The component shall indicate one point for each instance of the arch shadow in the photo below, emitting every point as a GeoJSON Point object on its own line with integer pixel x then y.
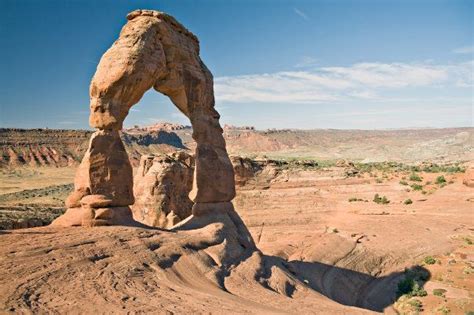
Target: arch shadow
{"type": "Point", "coordinates": [354, 288]}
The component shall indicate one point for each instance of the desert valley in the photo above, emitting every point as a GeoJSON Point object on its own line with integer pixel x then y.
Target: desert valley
{"type": "Point", "coordinates": [308, 205]}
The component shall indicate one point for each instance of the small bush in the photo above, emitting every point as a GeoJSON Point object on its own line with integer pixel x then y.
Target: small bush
{"type": "Point", "coordinates": [455, 169]}
{"type": "Point", "coordinates": [405, 286]}
{"type": "Point", "coordinates": [410, 284]}
{"type": "Point", "coordinates": [379, 181]}
{"type": "Point", "coordinates": [404, 183]}
{"type": "Point", "coordinates": [416, 187]}
{"type": "Point", "coordinates": [381, 200]}
{"type": "Point", "coordinates": [415, 177]}
{"type": "Point", "coordinates": [440, 180]}
{"type": "Point", "coordinates": [429, 260]}
{"type": "Point", "coordinates": [416, 305]}
{"type": "Point", "coordinates": [408, 202]}
{"type": "Point", "coordinates": [439, 292]}
{"type": "Point", "coordinates": [335, 230]}
{"type": "Point", "coordinates": [353, 199]}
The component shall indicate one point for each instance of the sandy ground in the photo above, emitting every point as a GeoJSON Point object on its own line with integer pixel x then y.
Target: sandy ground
{"type": "Point", "coordinates": [351, 250]}
{"type": "Point", "coordinates": [321, 254]}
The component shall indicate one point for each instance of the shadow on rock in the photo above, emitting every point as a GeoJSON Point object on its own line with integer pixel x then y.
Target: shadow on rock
{"type": "Point", "coordinates": [353, 288]}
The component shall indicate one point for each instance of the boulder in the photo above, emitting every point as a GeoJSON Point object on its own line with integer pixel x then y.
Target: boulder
{"type": "Point", "coordinates": [162, 184]}
{"type": "Point", "coordinates": [96, 201]}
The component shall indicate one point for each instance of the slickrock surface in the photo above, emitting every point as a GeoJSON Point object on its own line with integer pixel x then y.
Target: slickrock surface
{"type": "Point", "coordinates": [120, 270]}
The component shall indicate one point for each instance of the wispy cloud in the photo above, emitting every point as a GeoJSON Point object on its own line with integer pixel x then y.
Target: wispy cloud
{"type": "Point", "coordinates": [464, 50]}
{"type": "Point", "coordinates": [301, 14]}
{"type": "Point", "coordinates": [335, 84]}
{"type": "Point", "coordinates": [306, 62]}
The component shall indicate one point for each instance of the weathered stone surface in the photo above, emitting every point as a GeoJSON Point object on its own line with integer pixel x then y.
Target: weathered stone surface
{"type": "Point", "coordinates": [153, 50]}
{"type": "Point", "coordinates": [74, 199]}
{"type": "Point", "coordinates": [72, 217]}
{"type": "Point", "coordinates": [161, 185]}
{"type": "Point", "coordinates": [107, 216]}
{"type": "Point", "coordinates": [106, 170]}
{"type": "Point", "coordinates": [88, 216]}
{"type": "Point", "coordinates": [96, 201]}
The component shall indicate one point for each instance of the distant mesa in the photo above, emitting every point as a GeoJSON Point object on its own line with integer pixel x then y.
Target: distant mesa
{"type": "Point", "coordinates": [232, 127]}
{"type": "Point", "coordinates": [162, 126]}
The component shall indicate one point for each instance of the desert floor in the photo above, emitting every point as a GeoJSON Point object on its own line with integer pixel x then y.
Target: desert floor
{"type": "Point", "coordinates": [320, 224]}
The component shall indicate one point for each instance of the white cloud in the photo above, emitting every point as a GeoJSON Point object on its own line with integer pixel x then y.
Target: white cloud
{"type": "Point", "coordinates": [464, 50]}
{"type": "Point", "coordinates": [335, 84]}
{"type": "Point", "coordinates": [306, 62]}
{"type": "Point", "coordinates": [301, 14]}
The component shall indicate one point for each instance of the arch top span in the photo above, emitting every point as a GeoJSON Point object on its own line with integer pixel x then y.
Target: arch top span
{"type": "Point", "coordinates": [153, 51]}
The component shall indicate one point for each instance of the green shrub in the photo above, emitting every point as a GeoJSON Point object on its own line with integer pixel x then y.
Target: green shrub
{"type": "Point", "coordinates": [416, 187]}
{"type": "Point", "coordinates": [455, 169]}
{"type": "Point", "coordinates": [415, 177]}
{"type": "Point", "coordinates": [440, 180]}
{"type": "Point", "coordinates": [405, 286]}
{"type": "Point", "coordinates": [408, 202]}
{"type": "Point", "coordinates": [416, 305]}
{"type": "Point", "coordinates": [444, 310]}
{"type": "Point", "coordinates": [404, 183]}
{"type": "Point", "coordinates": [410, 284]}
{"type": "Point", "coordinates": [429, 260]}
{"type": "Point", "coordinates": [439, 292]}
{"type": "Point", "coordinates": [381, 200]}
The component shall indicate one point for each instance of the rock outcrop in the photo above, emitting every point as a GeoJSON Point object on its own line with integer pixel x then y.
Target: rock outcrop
{"type": "Point", "coordinates": [41, 147]}
{"type": "Point", "coordinates": [468, 179]}
{"type": "Point", "coordinates": [245, 169]}
{"type": "Point", "coordinates": [153, 50]}
{"type": "Point", "coordinates": [161, 186]}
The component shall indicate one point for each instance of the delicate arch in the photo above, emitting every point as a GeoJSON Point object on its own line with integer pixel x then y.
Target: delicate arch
{"type": "Point", "coordinates": [153, 50]}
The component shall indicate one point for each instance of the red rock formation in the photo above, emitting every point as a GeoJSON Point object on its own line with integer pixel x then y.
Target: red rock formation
{"type": "Point", "coordinates": [153, 50]}
{"type": "Point", "coordinates": [161, 186]}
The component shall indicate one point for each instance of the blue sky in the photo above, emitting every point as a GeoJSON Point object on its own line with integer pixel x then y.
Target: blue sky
{"type": "Point", "coordinates": [276, 64]}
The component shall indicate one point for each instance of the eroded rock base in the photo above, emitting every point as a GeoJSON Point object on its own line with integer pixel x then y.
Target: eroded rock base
{"type": "Point", "coordinates": [87, 216]}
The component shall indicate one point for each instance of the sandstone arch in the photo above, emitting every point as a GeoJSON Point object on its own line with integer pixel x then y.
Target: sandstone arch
{"type": "Point", "coordinates": [152, 51]}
